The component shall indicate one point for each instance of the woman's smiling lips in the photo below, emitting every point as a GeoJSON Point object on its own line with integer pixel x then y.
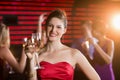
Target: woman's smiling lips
{"type": "Point", "coordinates": [52, 35]}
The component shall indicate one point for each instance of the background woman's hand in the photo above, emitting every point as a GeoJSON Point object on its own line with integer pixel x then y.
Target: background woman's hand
{"type": "Point", "coordinates": [92, 40]}
{"type": "Point", "coordinates": [42, 18]}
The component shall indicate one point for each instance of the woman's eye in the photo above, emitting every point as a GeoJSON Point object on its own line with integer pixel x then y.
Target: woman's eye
{"type": "Point", "coordinates": [49, 25]}
{"type": "Point", "coordinates": [59, 27]}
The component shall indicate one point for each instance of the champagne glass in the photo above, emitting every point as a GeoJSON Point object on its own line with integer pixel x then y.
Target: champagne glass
{"type": "Point", "coordinates": [25, 41]}
{"type": "Point", "coordinates": [87, 44]}
{"type": "Point", "coordinates": [35, 41]}
{"type": "Point", "coordinates": [11, 71]}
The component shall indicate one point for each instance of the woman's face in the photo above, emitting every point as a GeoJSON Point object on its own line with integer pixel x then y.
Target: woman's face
{"type": "Point", "coordinates": [87, 30]}
{"type": "Point", "coordinates": [55, 29]}
{"type": "Point", "coordinates": [98, 32]}
{"type": "Point", "coordinates": [100, 29]}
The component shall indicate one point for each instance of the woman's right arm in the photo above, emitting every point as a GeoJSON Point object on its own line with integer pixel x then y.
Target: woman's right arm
{"type": "Point", "coordinates": [32, 72]}
{"type": "Point", "coordinates": [108, 55]}
{"type": "Point", "coordinates": [9, 57]}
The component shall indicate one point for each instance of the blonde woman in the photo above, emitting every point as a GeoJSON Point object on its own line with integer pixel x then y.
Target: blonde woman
{"type": "Point", "coordinates": [5, 53]}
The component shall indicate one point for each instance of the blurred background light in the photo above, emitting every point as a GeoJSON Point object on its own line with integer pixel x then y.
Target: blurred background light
{"type": "Point", "coordinates": [116, 21]}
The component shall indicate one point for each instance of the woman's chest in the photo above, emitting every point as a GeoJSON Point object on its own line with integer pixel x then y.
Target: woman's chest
{"type": "Point", "coordinates": [58, 57]}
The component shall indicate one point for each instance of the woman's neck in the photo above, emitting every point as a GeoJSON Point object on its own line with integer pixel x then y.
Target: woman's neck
{"type": "Point", "coordinates": [102, 40]}
{"type": "Point", "coordinates": [54, 46]}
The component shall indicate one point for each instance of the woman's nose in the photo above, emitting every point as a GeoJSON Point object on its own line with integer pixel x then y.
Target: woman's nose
{"type": "Point", "coordinates": [53, 29]}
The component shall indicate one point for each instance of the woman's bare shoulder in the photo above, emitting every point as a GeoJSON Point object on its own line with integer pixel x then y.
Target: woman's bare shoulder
{"type": "Point", "coordinates": [74, 51]}
{"type": "Point", "coordinates": [77, 56]}
{"type": "Point", "coordinates": [109, 40]}
{"type": "Point", "coordinates": [4, 51]}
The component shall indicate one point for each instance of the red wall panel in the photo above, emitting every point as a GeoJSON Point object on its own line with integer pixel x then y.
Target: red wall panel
{"type": "Point", "coordinates": [28, 13]}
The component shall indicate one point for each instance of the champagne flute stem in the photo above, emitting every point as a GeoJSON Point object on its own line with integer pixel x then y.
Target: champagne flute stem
{"type": "Point", "coordinates": [37, 62]}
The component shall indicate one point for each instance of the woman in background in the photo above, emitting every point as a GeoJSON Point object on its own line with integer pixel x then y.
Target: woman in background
{"type": "Point", "coordinates": [83, 45]}
{"type": "Point", "coordinates": [57, 60]}
{"type": "Point", "coordinates": [104, 51]}
{"type": "Point", "coordinates": [5, 54]}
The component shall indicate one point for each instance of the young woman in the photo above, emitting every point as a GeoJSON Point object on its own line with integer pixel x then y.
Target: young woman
{"type": "Point", "coordinates": [57, 60]}
{"type": "Point", "coordinates": [104, 51]}
{"type": "Point", "coordinates": [5, 53]}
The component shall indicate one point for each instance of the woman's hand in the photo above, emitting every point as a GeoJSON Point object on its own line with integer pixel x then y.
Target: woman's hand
{"type": "Point", "coordinates": [92, 40]}
{"type": "Point", "coordinates": [30, 49]}
{"type": "Point", "coordinates": [42, 18]}
{"type": "Point", "coordinates": [40, 21]}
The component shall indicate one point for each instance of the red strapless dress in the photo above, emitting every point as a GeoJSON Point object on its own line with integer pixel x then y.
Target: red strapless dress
{"type": "Point", "coordinates": [57, 71]}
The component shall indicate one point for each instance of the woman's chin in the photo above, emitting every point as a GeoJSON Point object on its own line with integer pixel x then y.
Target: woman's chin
{"type": "Point", "coordinates": [52, 39]}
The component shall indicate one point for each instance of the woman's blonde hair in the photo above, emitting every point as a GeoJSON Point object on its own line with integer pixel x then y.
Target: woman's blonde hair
{"type": "Point", "coordinates": [4, 35]}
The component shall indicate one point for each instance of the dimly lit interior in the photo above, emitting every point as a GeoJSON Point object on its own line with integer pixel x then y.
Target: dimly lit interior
{"type": "Point", "coordinates": [22, 18]}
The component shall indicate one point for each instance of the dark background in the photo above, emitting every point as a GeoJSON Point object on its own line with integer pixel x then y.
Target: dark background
{"type": "Point", "coordinates": [22, 18]}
